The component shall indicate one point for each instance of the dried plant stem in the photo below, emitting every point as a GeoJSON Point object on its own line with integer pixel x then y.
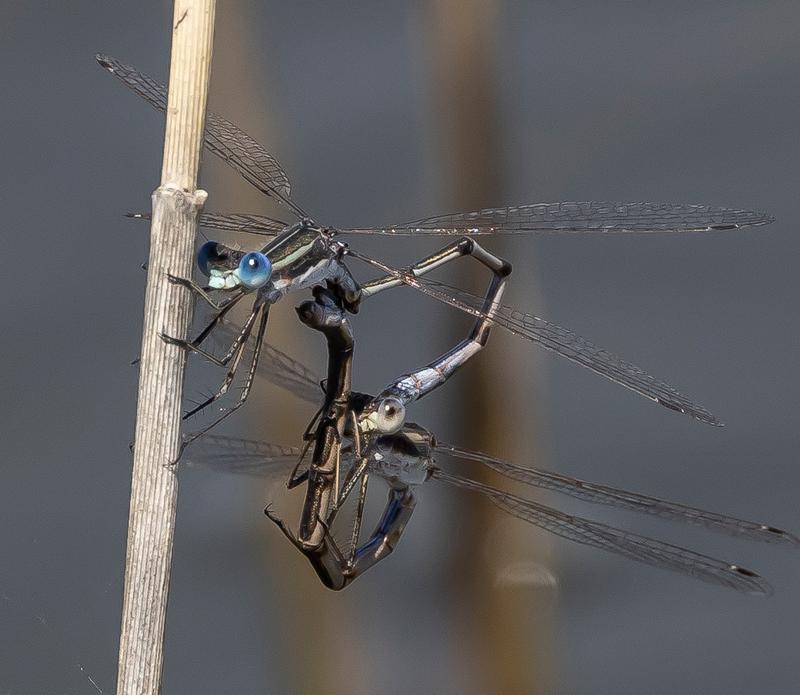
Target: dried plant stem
{"type": "Point", "coordinates": [466, 34]}
{"type": "Point", "coordinates": [167, 309]}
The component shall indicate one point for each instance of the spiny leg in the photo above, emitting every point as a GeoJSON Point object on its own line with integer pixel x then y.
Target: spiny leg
{"type": "Point", "coordinates": [281, 524]}
{"type": "Point", "coordinates": [202, 292]}
{"type": "Point", "coordinates": [396, 515]}
{"type": "Point", "coordinates": [238, 342]}
{"type": "Point", "coordinates": [251, 374]}
{"type": "Point", "coordinates": [334, 568]}
{"type": "Point", "coordinates": [223, 389]}
{"type": "Point", "coordinates": [351, 478]}
{"type": "Point", "coordinates": [308, 438]}
{"type": "Point", "coordinates": [221, 308]}
{"type": "Point", "coordinates": [326, 315]}
{"type": "Point", "coordinates": [216, 319]}
{"type": "Point", "coordinates": [361, 461]}
{"type": "Point", "coordinates": [238, 348]}
{"type": "Point", "coordinates": [234, 351]}
{"type": "Point", "coordinates": [356, 532]}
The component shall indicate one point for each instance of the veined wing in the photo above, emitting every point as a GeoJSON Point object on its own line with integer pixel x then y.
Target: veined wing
{"type": "Point", "coordinates": [250, 457]}
{"type": "Point", "coordinates": [242, 222]}
{"type": "Point", "coordinates": [277, 367]}
{"type": "Point", "coordinates": [289, 374]}
{"type": "Point", "coordinates": [230, 222]}
{"type": "Point", "coordinates": [614, 497]}
{"type": "Point", "coordinates": [630, 545]}
{"type": "Point", "coordinates": [226, 140]}
{"type": "Point", "coordinates": [576, 218]}
{"type": "Point", "coordinates": [560, 340]}
{"type": "Point", "coordinates": [240, 456]}
{"type": "Point", "coordinates": [540, 218]}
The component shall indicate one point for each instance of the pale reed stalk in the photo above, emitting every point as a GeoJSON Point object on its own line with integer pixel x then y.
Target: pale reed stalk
{"type": "Point", "coordinates": [167, 309]}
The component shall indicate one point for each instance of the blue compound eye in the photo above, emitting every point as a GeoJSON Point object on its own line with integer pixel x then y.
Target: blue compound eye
{"type": "Point", "coordinates": [204, 255]}
{"type": "Point", "coordinates": [254, 270]}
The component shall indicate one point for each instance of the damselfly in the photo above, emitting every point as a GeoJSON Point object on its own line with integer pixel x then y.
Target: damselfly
{"type": "Point", "coordinates": [305, 254]}
{"type": "Point", "coordinates": [380, 442]}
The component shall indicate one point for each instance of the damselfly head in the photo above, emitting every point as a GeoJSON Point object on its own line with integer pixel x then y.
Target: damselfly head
{"type": "Point", "coordinates": [227, 268]}
{"type": "Point", "coordinates": [386, 416]}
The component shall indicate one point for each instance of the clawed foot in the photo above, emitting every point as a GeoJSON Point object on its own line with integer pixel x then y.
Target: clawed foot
{"type": "Point", "coordinates": [194, 288]}
{"type": "Point", "coordinates": [275, 519]}
{"type": "Point", "coordinates": [170, 340]}
{"type": "Point", "coordinates": [173, 464]}
{"type": "Point", "coordinates": [183, 282]}
{"type": "Point", "coordinates": [169, 465]}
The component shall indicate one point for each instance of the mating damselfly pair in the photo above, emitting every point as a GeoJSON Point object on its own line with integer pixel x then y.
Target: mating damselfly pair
{"type": "Point", "coordinates": [356, 436]}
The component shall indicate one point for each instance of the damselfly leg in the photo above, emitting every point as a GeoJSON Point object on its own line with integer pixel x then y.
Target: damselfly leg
{"type": "Point", "coordinates": [305, 256]}
{"type": "Point", "coordinates": [203, 292]}
{"type": "Point", "coordinates": [248, 383]}
{"type": "Point", "coordinates": [335, 568]}
{"type": "Point", "coordinates": [325, 314]}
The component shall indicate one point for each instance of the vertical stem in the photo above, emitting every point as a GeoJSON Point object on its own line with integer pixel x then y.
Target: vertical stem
{"type": "Point", "coordinates": [151, 523]}
{"type": "Point", "coordinates": [466, 34]}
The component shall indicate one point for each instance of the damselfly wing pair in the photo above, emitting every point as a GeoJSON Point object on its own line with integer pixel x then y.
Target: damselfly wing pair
{"type": "Point", "coordinates": [305, 254]}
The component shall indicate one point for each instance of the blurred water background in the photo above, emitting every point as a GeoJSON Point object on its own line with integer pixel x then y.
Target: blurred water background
{"type": "Point", "coordinates": [383, 112]}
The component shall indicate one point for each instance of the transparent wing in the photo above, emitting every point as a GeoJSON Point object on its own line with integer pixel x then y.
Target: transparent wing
{"type": "Point", "coordinates": [223, 138]}
{"type": "Point", "coordinates": [291, 375]}
{"type": "Point", "coordinates": [576, 218]}
{"type": "Point", "coordinates": [277, 367]}
{"type": "Point", "coordinates": [230, 222]}
{"type": "Point", "coordinates": [560, 340]}
{"type": "Point", "coordinates": [614, 497]}
{"type": "Point", "coordinates": [250, 457]}
{"type": "Point", "coordinates": [240, 456]}
{"type": "Point", "coordinates": [541, 218]}
{"type": "Point", "coordinates": [630, 545]}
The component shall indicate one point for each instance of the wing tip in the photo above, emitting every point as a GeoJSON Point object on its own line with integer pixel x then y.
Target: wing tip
{"type": "Point", "coordinates": [781, 536]}
{"type": "Point", "coordinates": [694, 411]}
{"type": "Point", "coordinates": [754, 583]}
{"type": "Point", "coordinates": [758, 218]}
{"type": "Point", "coordinates": [767, 219]}
{"type": "Point", "coordinates": [105, 61]}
